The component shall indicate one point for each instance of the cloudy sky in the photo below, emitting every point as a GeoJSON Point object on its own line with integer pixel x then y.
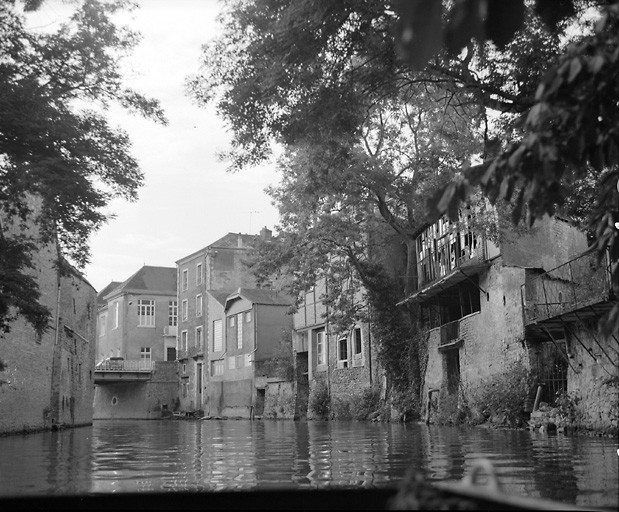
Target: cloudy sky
{"type": "Point", "coordinates": [188, 200]}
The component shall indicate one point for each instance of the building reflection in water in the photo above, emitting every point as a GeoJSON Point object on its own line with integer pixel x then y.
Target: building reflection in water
{"type": "Point", "coordinates": [146, 456]}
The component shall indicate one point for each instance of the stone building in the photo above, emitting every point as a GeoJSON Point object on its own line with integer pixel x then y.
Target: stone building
{"type": "Point", "coordinates": [562, 307]}
{"type": "Point", "coordinates": [471, 292]}
{"type": "Point", "coordinates": [218, 267]}
{"type": "Point", "coordinates": [136, 372]}
{"type": "Point", "coordinates": [250, 331]}
{"type": "Point", "coordinates": [47, 380]}
{"type": "Point", "coordinates": [341, 363]}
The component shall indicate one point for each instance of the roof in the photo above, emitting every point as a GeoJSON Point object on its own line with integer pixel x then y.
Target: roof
{"type": "Point", "coordinates": [220, 295]}
{"type": "Point", "coordinates": [157, 280]}
{"type": "Point", "coordinates": [229, 241]}
{"type": "Point", "coordinates": [112, 286]}
{"type": "Point", "coordinates": [260, 296]}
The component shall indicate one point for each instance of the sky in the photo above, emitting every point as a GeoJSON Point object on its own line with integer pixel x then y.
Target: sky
{"type": "Point", "coordinates": [188, 199]}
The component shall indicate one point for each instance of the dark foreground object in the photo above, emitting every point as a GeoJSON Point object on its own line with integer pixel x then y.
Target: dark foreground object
{"type": "Point", "coordinates": [412, 494]}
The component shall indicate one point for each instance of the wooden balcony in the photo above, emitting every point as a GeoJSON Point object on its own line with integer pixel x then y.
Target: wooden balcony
{"type": "Point", "coordinates": [577, 290]}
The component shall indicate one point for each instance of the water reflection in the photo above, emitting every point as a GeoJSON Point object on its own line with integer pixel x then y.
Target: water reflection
{"type": "Point", "coordinates": [121, 456]}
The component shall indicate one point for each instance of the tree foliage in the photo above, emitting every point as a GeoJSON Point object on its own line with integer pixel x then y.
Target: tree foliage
{"type": "Point", "coordinates": [55, 141]}
{"type": "Point", "coordinates": [368, 137]}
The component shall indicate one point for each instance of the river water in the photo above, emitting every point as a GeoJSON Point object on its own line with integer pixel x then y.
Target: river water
{"type": "Point", "coordinates": [136, 456]}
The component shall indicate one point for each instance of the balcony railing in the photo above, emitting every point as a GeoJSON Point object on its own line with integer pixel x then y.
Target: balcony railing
{"type": "Point", "coordinates": [450, 332]}
{"type": "Point", "coordinates": [576, 284]}
{"type": "Point", "coordinates": [141, 365]}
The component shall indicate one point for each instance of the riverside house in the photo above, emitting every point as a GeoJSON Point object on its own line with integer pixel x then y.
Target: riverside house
{"type": "Point", "coordinates": [136, 372]}
{"type": "Point", "coordinates": [486, 302]}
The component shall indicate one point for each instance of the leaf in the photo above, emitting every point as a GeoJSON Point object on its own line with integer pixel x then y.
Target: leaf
{"type": "Point", "coordinates": [419, 32]}
{"type": "Point", "coordinates": [446, 198]}
{"type": "Point", "coordinates": [575, 67]}
{"type": "Point", "coordinates": [596, 63]}
{"type": "Point", "coordinates": [504, 18]}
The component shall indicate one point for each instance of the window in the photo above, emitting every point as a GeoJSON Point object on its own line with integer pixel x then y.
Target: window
{"type": "Point", "coordinates": [199, 273]}
{"type": "Point", "coordinates": [239, 361]}
{"type": "Point", "coordinates": [146, 313]}
{"type": "Point", "coordinates": [102, 324]}
{"type": "Point", "coordinates": [183, 340]}
{"type": "Point", "coordinates": [199, 336]}
{"type": "Point", "coordinates": [185, 280]}
{"type": "Point", "coordinates": [231, 321]}
{"type": "Point", "coordinates": [185, 387]}
{"type": "Point", "coordinates": [248, 316]}
{"type": "Point", "coordinates": [185, 309]}
{"type": "Point", "coordinates": [320, 348]}
{"type": "Point", "coordinates": [239, 332]}
{"type": "Point", "coordinates": [217, 367]}
{"type": "Point", "coordinates": [342, 349]}
{"type": "Point", "coordinates": [199, 305]}
{"type": "Point", "coordinates": [218, 338]}
{"type": "Point", "coordinates": [116, 314]}
{"type": "Point", "coordinates": [357, 342]}
{"type": "Point", "coordinates": [145, 353]}
{"type": "Point", "coordinates": [232, 362]}
{"type": "Point", "coordinates": [172, 312]}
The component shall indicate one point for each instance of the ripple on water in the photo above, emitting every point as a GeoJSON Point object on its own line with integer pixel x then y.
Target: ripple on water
{"type": "Point", "coordinates": [147, 456]}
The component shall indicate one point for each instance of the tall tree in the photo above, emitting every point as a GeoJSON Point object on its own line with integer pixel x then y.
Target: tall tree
{"type": "Point", "coordinates": [55, 141]}
{"type": "Point", "coordinates": [367, 136]}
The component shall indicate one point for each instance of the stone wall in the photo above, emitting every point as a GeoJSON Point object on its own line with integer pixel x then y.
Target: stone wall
{"type": "Point", "coordinates": [280, 400]}
{"type": "Point", "coordinates": [47, 380]}
{"type": "Point", "coordinates": [491, 339]}
{"type": "Point", "coordinates": [593, 378]}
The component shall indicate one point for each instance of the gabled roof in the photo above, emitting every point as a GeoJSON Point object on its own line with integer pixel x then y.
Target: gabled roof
{"type": "Point", "coordinates": [229, 241]}
{"type": "Point", "coordinates": [259, 296]}
{"type": "Point", "coordinates": [220, 295]}
{"type": "Point", "coordinates": [149, 280]}
{"type": "Point", "coordinates": [112, 286]}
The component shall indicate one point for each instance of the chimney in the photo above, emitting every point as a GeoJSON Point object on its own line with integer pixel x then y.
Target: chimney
{"type": "Point", "coordinates": [239, 240]}
{"type": "Point", "coordinates": [265, 234]}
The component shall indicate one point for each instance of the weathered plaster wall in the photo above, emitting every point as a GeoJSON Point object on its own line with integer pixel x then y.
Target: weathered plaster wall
{"type": "Point", "coordinates": [138, 400]}
{"type": "Point", "coordinates": [595, 383]}
{"type": "Point", "coordinates": [280, 400]}
{"type": "Point", "coordinates": [492, 339]}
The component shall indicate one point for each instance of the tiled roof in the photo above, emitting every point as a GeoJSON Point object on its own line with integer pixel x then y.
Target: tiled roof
{"type": "Point", "coordinates": [151, 279]}
{"type": "Point", "coordinates": [260, 296]}
{"type": "Point", "coordinates": [112, 286]}
{"type": "Point", "coordinates": [232, 240]}
{"type": "Point", "coordinates": [220, 295]}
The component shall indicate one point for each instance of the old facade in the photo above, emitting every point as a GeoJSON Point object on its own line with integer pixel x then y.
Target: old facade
{"type": "Point", "coordinates": [473, 293]}
{"type": "Point", "coordinates": [341, 363]}
{"type": "Point", "coordinates": [136, 375]}
{"type": "Point", "coordinates": [218, 267]}
{"type": "Point", "coordinates": [46, 381]}
{"type": "Point", "coordinates": [248, 332]}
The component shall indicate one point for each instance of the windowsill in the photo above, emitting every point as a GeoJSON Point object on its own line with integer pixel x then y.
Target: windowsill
{"type": "Point", "coordinates": [147, 327]}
